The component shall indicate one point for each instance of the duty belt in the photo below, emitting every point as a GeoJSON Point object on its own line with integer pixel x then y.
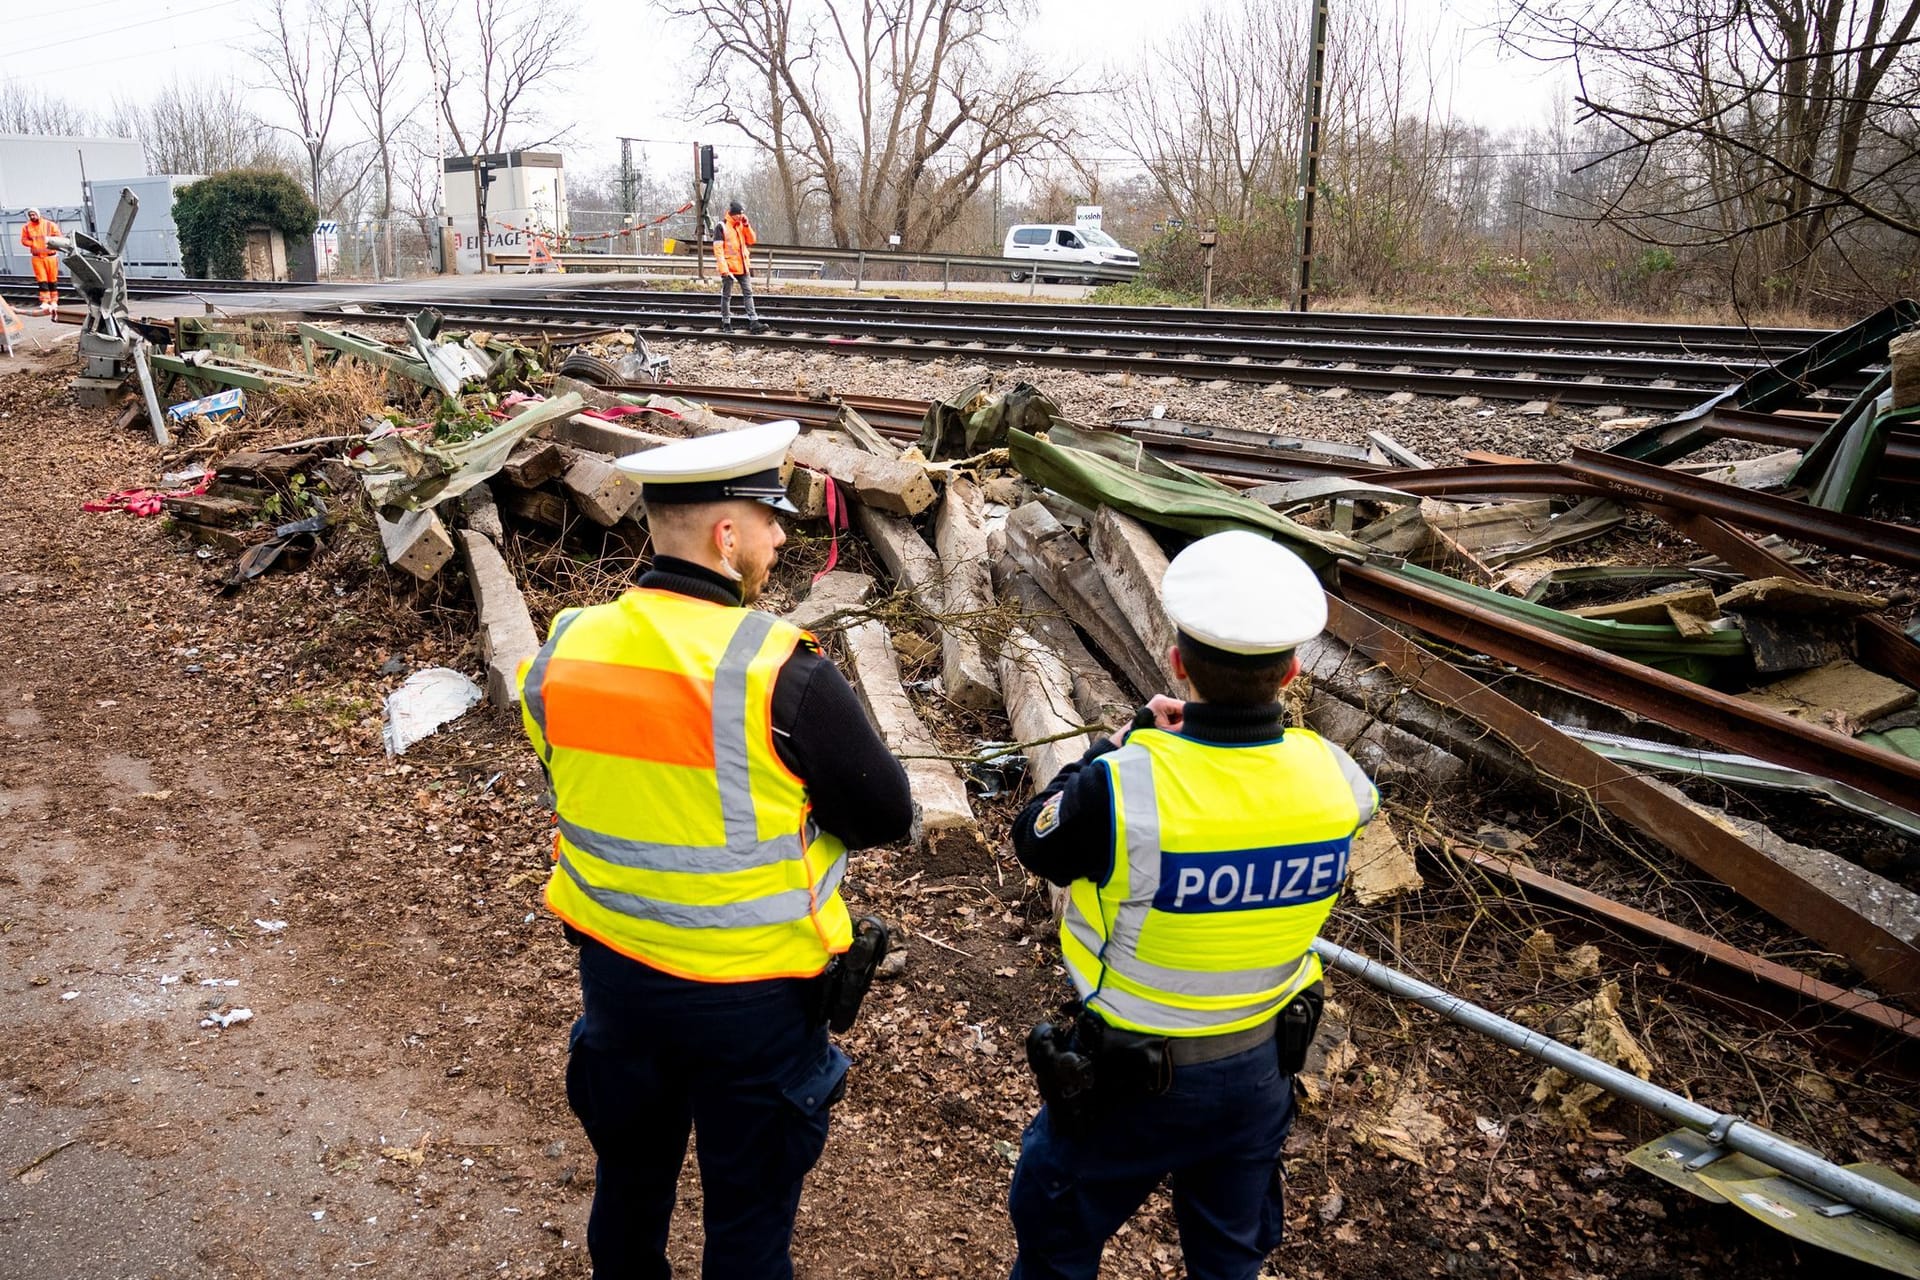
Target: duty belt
{"type": "Point", "coordinates": [1190, 1051]}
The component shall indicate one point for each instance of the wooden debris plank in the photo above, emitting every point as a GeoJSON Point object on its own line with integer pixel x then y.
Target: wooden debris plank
{"type": "Point", "coordinates": [209, 509]}
{"type": "Point", "coordinates": [210, 536]}
{"type": "Point", "coordinates": [272, 469]}
{"type": "Point", "coordinates": [1057, 561]}
{"type": "Point", "coordinates": [891, 485]}
{"type": "Point", "coordinates": [1590, 519]}
{"type": "Point", "coordinates": [1133, 566]}
{"type": "Point", "coordinates": [1788, 595]}
{"type": "Point", "coordinates": [960, 540]}
{"type": "Point", "coordinates": [417, 543]}
{"type": "Point", "coordinates": [603, 492]}
{"type": "Point", "coordinates": [534, 462]}
{"type": "Point", "coordinates": [1654, 610]}
{"type": "Point", "coordinates": [943, 824]}
{"type": "Point", "coordinates": [1038, 689]}
{"type": "Point", "coordinates": [1770, 472]}
{"type": "Point", "coordinates": [536, 506]}
{"type": "Point", "coordinates": [1844, 696]}
{"type": "Point", "coordinates": [507, 637]}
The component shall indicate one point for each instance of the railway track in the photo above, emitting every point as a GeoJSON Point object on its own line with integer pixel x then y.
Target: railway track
{"type": "Point", "coordinates": [1648, 367]}
{"type": "Point", "coordinates": [1652, 383]}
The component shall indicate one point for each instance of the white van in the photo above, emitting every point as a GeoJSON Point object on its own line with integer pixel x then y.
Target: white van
{"type": "Point", "coordinates": [1059, 247]}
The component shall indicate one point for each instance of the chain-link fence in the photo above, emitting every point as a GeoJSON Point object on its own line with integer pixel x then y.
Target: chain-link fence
{"type": "Point", "coordinates": [362, 250]}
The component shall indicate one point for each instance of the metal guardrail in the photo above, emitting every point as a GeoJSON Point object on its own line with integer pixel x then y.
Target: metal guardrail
{"type": "Point", "coordinates": [656, 262]}
{"type": "Point", "coordinates": [770, 260]}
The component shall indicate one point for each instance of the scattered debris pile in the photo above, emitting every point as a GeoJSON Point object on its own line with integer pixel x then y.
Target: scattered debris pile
{"type": "Point", "coordinates": [988, 577]}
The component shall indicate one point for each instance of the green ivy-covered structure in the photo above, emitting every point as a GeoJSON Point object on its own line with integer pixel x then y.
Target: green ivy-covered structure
{"type": "Point", "coordinates": [215, 214]}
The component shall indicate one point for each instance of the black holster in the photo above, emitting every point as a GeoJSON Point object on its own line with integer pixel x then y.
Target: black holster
{"type": "Point", "coordinates": [1065, 1076]}
{"type": "Point", "coordinates": [1130, 1063]}
{"type": "Point", "coordinates": [1299, 1021]}
{"type": "Point", "coordinates": [841, 987]}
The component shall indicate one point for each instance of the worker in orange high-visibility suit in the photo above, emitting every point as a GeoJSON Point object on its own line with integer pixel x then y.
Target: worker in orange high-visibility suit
{"type": "Point", "coordinates": [731, 240]}
{"type": "Point", "coordinates": [46, 260]}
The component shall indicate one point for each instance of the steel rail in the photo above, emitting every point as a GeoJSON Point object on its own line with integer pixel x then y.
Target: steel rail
{"type": "Point", "coordinates": [1774, 887]}
{"type": "Point", "coordinates": [1170, 321]}
{"type": "Point", "coordinates": [1879, 540]}
{"type": "Point", "coordinates": [1596, 332]}
{"type": "Point", "coordinates": [1285, 357]}
{"type": "Point", "coordinates": [1680, 704]}
{"type": "Point", "coordinates": [1446, 385]}
{"type": "Point", "coordinates": [1796, 996]}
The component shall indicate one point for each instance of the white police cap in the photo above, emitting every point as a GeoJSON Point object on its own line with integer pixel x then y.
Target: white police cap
{"type": "Point", "coordinates": [1244, 594]}
{"type": "Point", "coordinates": [716, 468]}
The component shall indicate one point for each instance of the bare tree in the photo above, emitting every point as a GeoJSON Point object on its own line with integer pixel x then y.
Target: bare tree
{"type": "Point", "coordinates": [1221, 127]}
{"type": "Point", "coordinates": [379, 47]}
{"type": "Point", "coordinates": [491, 62]}
{"type": "Point", "coordinates": [203, 128]}
{"type": "Point", "coordinates": [302, 46]}
{"type": "Point", "coordinates": [894, 113]}
{"type": "Point", "coordinates": [28, 110]}
{"type": "Point", "coordinates": [1772, 130]}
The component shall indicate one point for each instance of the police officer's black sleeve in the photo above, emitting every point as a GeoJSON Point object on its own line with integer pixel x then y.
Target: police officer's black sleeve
{"type": "Point", "coordinates": [859, 791]}
{"type": "Point", "coordinates": [1066, 832]}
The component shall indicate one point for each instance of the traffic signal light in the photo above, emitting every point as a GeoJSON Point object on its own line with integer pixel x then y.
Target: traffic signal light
{"type": "Point", "coordinates": [706, 163]}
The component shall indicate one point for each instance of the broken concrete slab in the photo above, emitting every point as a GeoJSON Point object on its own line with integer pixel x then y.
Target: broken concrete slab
{"type": "Point", "coordinates": [1038, 689]}
{"type": "Point", "coordinates": [836, 596]}
{"type": "Point", "coordinates": [507, 637]}
{"type": "Point", "coordinates": [895, 486]}
{"type": "Point", "coordinates": [603, 492]}
{"type": "Point", "coordinates": [533, 463]}
{"type": "Point", "coordinates": [905, 555]}
{"type": "Point", "coordinates": [482, 516]}
{"type": "Point", "coordinates": [612, 439]}
{"type": "Point", "coordinates": [1096, 696]}
{"type": "Point", "coordinates": [1133, 567]}
{"type": "Point", "coordinates": [1380, 866]}
{"type": "Point", "coordinates": [1062, 567]}
{"type": "Point", "coordinates": [943, 825]}
{"type": "Point", "coordinates": [960, 538]}
{"type": "Point", "coordinates": [417, 543]}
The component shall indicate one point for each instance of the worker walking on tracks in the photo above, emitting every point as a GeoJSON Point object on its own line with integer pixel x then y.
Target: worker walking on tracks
{"type": "Point", "coordinates": [732, 242]}
{"type": "Point", "coordinates": [710, 770]}
{"type": "Point", "coordinates": [1203, 848]}
{"type": "Point", "coordinates": [34, 233]}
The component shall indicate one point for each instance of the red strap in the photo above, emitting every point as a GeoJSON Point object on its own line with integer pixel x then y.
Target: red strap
{"type": "Point", "coordinates": [615, 413]}
{"type": "Point", "coordinates": [144, 502]}
{"type": "Point", "coordinates": [836, 521]}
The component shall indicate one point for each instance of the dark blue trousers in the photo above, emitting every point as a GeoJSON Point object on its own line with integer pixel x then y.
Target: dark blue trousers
{"type": "Point", "coordinates": [654, 1058]}
{"type": "Point", "coordinates": [1217, 1132]}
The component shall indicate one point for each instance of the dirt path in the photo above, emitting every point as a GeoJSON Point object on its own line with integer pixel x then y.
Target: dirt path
{"type": "Point", "coordinates": [199, 817]}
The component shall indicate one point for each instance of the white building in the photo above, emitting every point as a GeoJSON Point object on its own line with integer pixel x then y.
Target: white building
{"type": "Point", "coordinates": [49, 173]}
{"type": "Point", "coordinates": [523, 192]}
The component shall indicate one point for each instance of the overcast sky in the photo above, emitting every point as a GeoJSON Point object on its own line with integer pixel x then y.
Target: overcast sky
{"type": "Point", "coordinates": [132, 47]}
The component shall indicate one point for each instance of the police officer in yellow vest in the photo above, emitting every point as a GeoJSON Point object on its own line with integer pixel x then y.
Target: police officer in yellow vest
{"type": "Point", "coordinates": [710, 770]}
{"type": "Point", "coordinates": [1203, 849]}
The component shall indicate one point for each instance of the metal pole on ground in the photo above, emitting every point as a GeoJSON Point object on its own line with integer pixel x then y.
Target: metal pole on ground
{"type": "Point", "coordinates": [1749, 1139]}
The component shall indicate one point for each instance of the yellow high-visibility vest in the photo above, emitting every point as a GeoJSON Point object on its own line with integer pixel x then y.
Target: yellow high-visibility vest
{"type": "Point", "coordinates": [684, 841]}
{"type": "Point", "coordinates": [1227, 860]}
